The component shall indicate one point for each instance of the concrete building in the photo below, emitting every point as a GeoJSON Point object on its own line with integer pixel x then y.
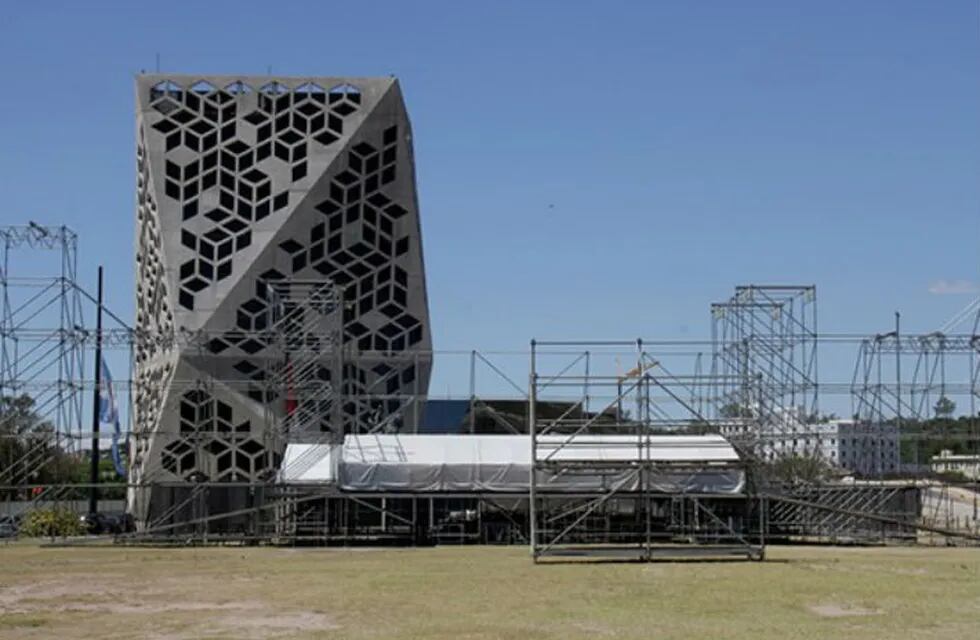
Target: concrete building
{"type": "Point", "coordinates": [861, 448]}
{"type": "Point", "coordinates": [269, 208]}
{"type": "Point", "coordinates": [949, 462]}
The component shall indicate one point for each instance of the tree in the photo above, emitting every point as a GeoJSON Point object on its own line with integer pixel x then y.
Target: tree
{"type": "Point", "coordinates": [944, 407]}
{"type": "Point", "coordinates": [699, 428]}
{"type": "Point", "coordinates": [800, 469]}
{"type": "Point", "coordinates": [735, 410]}
{"type": "Point", "coordinates": [18, 417]}
{"type": "Point", "coordinates": [29, 453]}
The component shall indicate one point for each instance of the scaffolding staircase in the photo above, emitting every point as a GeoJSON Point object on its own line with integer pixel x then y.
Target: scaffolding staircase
{"type": "Point", "coordinates": [840, 514]}
{"type": "Point", "coordinates": [306, 318]}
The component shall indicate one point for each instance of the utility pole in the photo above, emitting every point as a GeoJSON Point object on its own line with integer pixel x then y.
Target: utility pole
{"type": "Point", "coordinates": [93, 499]}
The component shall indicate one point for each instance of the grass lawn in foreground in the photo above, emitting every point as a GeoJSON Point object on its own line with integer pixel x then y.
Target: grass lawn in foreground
{"type": "Point", "coordinates": [482, 593]}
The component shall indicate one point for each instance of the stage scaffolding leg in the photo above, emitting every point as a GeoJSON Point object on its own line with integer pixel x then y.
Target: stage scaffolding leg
{"type": "Point", "coordinates": [533, 429]}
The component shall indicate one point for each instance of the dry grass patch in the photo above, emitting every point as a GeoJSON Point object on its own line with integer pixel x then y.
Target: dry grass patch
{"type": "Point", "coordinates": [483, 593]}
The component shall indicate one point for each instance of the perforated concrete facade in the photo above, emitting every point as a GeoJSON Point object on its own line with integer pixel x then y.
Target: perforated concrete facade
{"type": "Point", "coordinates": [246, 181]}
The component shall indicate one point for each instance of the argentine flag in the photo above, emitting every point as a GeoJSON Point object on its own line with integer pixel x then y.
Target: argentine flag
{"type": "Point", "coordinates": [109, 414]}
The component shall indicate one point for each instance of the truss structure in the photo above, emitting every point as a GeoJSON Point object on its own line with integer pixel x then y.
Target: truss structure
{"type": "Point", "coordinates": [901, 381]}
{"type": "Point", "coordinates": [765, 354]}
{"type": "Point", "coordinates": [42, 334]}
{"type": "Point", "coordinates": [927, 362]}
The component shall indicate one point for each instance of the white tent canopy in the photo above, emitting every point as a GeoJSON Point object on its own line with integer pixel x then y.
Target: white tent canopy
{"type": "Point", "coordinates": [708, 449]}
{"type": "Point", "coordinates": [498, 463]}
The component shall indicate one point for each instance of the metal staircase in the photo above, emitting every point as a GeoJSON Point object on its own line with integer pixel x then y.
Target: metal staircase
{"type": "Point", "coordinates": [851, 513]}
{"type": "Point", "coordinates": [307, 324]}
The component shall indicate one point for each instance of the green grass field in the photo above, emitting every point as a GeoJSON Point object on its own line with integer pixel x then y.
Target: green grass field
{"type": "Point", "coordinates": [482, 592]}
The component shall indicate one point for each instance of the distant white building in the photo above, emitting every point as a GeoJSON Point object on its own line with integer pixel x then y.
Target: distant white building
{"type": "Point", "coordinates": [947, 462]}
{"type": "Point", "coordinates": [859, 447]}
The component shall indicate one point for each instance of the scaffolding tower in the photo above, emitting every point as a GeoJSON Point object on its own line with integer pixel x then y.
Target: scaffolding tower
{"type": "Point", "coordinates": [765, 358]}
{"type": "Point", "coordinates": [42, 338]}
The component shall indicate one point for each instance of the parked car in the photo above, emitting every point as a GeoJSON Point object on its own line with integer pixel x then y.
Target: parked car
{"type": "Point", "coordinates": [114, 522]}
{"type": "Point", "coordinates": [8, 527]}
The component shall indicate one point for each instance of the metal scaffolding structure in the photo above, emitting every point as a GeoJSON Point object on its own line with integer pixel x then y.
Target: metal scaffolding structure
{"type": "Point", "coordinates": [934, 366]}
{"type": "Point", "coordinates": [306, 327]}
{"type": "Point", "coordinates": [759, 386]}
{"type": "Point", "coordinates": [765, 355]}
{"type": "Point", "coordinates": [911, 385]}
{"type": "Point", "coordinates": [42, 333]}
{"type": "Point", "coordinates": [640, 511]}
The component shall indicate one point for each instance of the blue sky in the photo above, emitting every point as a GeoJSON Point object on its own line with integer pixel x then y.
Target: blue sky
{"type": "Point", "coordinates": [586, 169]}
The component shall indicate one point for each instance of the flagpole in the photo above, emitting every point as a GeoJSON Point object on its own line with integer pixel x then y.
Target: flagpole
{"type": "Point", "coordinates": [93, 498]}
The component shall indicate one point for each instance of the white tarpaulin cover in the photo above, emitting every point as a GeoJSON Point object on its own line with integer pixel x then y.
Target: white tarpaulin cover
{"type": "Point", "coordinates": [314, 463]}
{"type": "Point", "coordinates": [496, 463]}
{"type": "Point", "coordinates": [620, 448]}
